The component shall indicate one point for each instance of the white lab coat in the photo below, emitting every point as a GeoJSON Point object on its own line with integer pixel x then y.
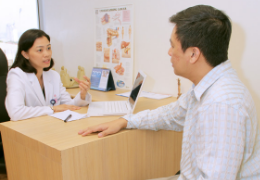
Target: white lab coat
{"type": "Point", "coordinates": [25, 98]}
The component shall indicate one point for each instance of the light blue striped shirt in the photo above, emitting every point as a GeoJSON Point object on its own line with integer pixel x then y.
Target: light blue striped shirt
{"type": "Point", "coordinates": [221, 139]}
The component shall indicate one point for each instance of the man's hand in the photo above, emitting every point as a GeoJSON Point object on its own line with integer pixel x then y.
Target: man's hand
{"type": "Point", "coordinates": [105, 128]}
{"type": "Point", "coordinates": [84, 86]}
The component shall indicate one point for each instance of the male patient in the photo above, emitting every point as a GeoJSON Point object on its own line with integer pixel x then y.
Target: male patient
{"type": "Point", "coordinates": [217, 115]}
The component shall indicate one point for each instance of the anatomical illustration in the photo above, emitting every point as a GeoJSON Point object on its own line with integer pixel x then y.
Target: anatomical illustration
{"type": "Point", "coordinates": [105, 19]}
{"type": "Point", "coordinates": [116, 17]}
{"type": "Point", "coordinates": [106, 54]}
{"type": "Point", "coordinates": [130, 31]}
{"type": "Point", "coordinates": [126, 49]}
{"type": "Point", "coordinates": [123, 31]}
{"type": "Point", "coordinates": [98, 46]}
{"type": "Point", "coordinates": [114, 42]}
{"type": "Point", "coordinates": [110, 34]}
{"type": "Point", "coordinates": [115, 55]}
{"type": "Point", "coordinates": [119, 69]}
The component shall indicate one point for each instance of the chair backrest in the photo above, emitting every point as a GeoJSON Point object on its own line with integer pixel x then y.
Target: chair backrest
{"type": "Point", "coordinates": [3, 73]}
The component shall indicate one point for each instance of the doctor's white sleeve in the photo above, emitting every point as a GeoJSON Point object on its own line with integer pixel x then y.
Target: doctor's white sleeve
{"type": "Point", "coordinates": [15, 100]}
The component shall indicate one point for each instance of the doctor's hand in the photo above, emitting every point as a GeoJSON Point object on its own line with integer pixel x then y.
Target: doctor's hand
{"type": "Point", "coordinates": [84, 86]}
{"type": "Point", "coordinates": [105, 128]}
{"type": "Point", "coordinates": [64, 107]}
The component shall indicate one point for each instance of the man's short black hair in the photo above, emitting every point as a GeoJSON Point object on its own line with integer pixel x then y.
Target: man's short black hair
{"type": "Point", "coordinates": [204, 27]}
{"type": "Point", "coordinates": [26, 41]}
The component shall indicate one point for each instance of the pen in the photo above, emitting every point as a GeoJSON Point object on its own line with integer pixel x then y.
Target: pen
{"type": "Point", "coordinates": [67, 118]}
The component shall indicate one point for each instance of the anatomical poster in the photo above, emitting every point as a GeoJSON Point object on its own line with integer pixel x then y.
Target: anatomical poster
{"type": "Point", "coordinates": [114, 42]}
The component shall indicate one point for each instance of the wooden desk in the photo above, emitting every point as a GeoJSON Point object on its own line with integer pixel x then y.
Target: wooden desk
{"type": "Point", "coordinates": [46, 148]}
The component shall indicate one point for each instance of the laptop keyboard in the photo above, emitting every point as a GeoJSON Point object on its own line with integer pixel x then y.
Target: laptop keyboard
{"type": "Point", "coordinates": [116, 106]}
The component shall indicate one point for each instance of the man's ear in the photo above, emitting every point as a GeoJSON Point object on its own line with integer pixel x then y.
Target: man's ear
{"type": "Point", "coordinates": [194, 54]}
{"type": "Point", "coordinates": [25, 54]}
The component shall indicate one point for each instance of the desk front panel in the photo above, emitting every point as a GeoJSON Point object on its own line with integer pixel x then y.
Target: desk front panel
{"type": "Point", "coordinates": [44, 144]}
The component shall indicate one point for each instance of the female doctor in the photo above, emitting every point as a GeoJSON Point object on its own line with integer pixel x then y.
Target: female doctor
{"type": "Point", "coordinates": [33, 89]}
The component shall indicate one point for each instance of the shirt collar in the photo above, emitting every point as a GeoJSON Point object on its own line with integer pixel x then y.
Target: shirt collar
{"type": "Point", "coordinates": [210, 79]}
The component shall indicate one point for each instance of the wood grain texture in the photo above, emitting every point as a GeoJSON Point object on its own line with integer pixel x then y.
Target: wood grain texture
{"type": "Point", "coordinates": [47, 148]}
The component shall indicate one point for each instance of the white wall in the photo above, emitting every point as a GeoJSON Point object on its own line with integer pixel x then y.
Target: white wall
{"type": "Point", "coordinates": [71, 27]}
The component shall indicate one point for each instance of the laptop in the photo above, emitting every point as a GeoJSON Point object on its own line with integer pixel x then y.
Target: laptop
{"type": "Point", "coordinates": [109, 108]}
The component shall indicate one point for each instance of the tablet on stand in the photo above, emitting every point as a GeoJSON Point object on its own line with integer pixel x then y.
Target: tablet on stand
{"type": "Point", "coordinates": [102, 79]}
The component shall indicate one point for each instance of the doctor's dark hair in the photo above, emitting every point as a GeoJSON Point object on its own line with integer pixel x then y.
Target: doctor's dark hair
{"type": "Point", "coordinates": [25, 43]}
{"type": "Point", "coordinates": [204, 27]}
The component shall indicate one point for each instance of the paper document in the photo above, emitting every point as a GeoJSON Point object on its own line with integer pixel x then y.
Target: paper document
{"type": "Point", "coordinates": [74, 116]}
{"type": "Point", "coordinates": [154, 95]}
{"type": "Point", "coordinates": [147, 95]}
{"type": "Point", "coordinates": [126, 94]}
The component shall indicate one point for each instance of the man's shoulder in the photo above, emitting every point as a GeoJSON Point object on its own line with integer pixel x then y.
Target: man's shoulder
{"type": "Point", "coordinates": [228, 90]}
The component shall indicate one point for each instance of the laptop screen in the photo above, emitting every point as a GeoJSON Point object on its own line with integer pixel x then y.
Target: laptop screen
{"type": "Point", "coordinates": [137, 86]}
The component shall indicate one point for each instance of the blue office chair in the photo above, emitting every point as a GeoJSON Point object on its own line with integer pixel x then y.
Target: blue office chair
{"type": "Point", "coordinates": [3, 114]}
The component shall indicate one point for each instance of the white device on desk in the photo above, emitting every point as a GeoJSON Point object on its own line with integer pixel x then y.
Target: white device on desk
{"type": "Point", "coordinates": [106, 108]}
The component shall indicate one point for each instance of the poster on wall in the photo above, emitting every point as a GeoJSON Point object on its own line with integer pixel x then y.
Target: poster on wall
{"type": "Point", "coordinates": [114, 43]}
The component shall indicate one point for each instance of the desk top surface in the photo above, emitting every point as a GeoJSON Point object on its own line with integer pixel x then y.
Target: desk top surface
{"type": "Point", "coordinates": [59, 135]}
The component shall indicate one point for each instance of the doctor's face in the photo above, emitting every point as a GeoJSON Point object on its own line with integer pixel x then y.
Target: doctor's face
{"type": "Point", "coordinates": [39, 55]}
